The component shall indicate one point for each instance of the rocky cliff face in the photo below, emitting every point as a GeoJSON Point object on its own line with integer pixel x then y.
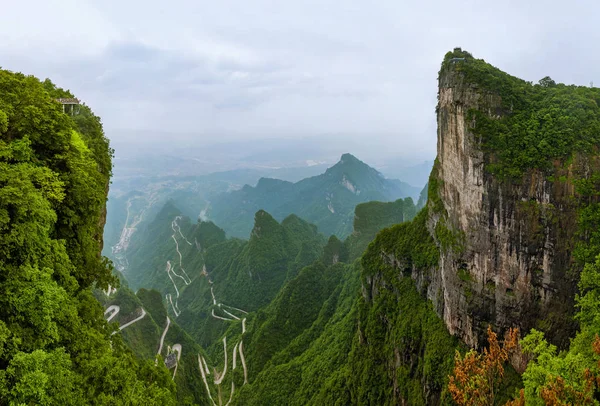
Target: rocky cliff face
{"type": "Point", "coordinates": [505, 246]}
{"type": "Point", "coordinates": [512, 216]}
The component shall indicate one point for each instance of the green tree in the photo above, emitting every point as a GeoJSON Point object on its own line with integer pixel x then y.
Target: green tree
{"type": "Point", "coordinates": [55, 347]}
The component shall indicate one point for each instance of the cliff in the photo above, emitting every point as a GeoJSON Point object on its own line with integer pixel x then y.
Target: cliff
{"type": "Point", "coordinates": [512, 199]}
{"type": "Point", "coordinates": [512, 217]}
{"type": "Point", "coordinates": [507, 229]}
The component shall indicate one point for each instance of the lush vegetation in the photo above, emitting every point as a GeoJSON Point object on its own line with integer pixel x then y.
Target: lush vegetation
{"type": "Point", "coordinates": [570, 377]}
{"type": "Point", "coordinates": [536, 126]}
{"type": "Point", "coordinates": [555, 129]}
{"type": "Point", "coordinates": [55, 347]}
{"type": "Point", "coordinates": [371, 217]}
{"type": "Point", "coordinates": [304, 291]}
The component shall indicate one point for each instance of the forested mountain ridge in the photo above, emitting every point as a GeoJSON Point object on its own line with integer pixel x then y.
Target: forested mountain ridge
{"type": "Point", "coordinates": [244, 292]}
{"type": "Point", "coordinates": [134, 199]}
{"type": "Point", "coordinates": [55, 347]}
{"type": "Point", "coordinates": [194, 263]}
{"type": "Point", "coordinates": [326, 200]}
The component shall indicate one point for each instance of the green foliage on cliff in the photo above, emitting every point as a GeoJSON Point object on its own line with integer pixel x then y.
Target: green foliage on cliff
{"type": "Point", "coordinates": [532, 125]}
{"type": "Point", "coordinates": [305, 355]}
{"type": "Point", "coordinates": [371, 217]}
{"type": "Point", "coordinates": [321, 342]}
{"type": "Point", "coordinates": [408, 244]}
{"type": "Point", "coordinates": [298, 342]}
{"type": "Point", "coordinates": [403, 345]}
{"type": "Point", "coordinates": [55, 347]}
{"type": "Point", "coordinates": [580, 361]}
{"type": "Point", "coordinates": [404, 350]}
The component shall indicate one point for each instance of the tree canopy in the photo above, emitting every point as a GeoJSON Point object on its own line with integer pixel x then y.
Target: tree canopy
{"type": "Point", "coordinates": [55, 347]}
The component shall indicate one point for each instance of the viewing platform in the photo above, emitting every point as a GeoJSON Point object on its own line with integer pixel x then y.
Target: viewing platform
{"type": "Point", "coordinates": [72, 102]}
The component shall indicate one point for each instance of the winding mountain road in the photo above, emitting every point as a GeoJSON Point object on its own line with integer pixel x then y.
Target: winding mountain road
{"type": "Point", "coordinates": [200, 362]}
{"type": "Point", "coordinates": [231, 393]}
{"type": "Point", "coordinates": [170, 299]}
{"type": "Point", "coordinates": [243, 359]}
{"type": "Point", "coordinates": [162, 337]}
{"type": "Point", "coordinates": [170, 269]}
{"type": "Point", "coordinates": [219, 376]}
{"type": "Point", "coordinates": [173, 226]}
{"type": "Point", "coordinates": [132, 321]}
{"type": "Point", "coordinates": [176, 348]}
{"type": "Point", "coordinates": [113, 310]}
{"type": "Point", "coordinates": [226, 313]}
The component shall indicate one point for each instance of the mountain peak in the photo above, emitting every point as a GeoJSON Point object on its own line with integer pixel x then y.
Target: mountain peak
{"type": "Point", "coordinates": [263, 223]}
{"type": "Point", "coordinates": [349, 158]}
{"type": "Point", "coordinates": [352, 167]}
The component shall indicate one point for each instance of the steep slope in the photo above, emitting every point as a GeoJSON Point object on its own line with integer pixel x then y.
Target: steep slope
{"type": "Point", "coordinates": [510, 221]}
{"type": "Point", "coordinates": [193, 264]}
{"type": "Point", "coordinates": [300, 348]}
{"type": "Point", "coordinates": [423, 197]}
{"type": "Point", "coordinates": [55, 347]}
{"type": "Point", "coordinates": [279, 298]}
{"type": "Point", "coordinates": [507, 199]}
{"type": "Point", "coordinates": [327, 200]}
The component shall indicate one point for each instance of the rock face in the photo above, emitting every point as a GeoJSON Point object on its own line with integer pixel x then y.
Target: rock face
{"type": "Point", "coordinates": [505, 247]}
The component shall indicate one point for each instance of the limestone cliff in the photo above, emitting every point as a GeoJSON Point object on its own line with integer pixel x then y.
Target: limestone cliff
{"type": "Point", "coordinates": [506, 244]}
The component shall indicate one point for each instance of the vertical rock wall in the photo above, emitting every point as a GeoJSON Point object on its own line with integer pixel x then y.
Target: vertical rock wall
{"type": "Point", "coordinates": [509, 263]}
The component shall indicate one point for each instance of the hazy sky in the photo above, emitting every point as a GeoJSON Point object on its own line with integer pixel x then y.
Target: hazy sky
{"type": "Point", "coordinates": [365, 69]}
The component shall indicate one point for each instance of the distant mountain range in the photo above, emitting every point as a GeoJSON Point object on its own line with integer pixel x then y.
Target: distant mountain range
{"type": "Point", "coordinates": [327, 200]}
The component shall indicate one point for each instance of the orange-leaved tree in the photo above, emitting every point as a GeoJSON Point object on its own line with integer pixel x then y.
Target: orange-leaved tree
{"type": "Point", "coordinates": [476, 376]}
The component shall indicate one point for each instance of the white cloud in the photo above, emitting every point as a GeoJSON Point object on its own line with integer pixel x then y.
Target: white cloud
{"type": "Point", "coordinates": [267, 67]}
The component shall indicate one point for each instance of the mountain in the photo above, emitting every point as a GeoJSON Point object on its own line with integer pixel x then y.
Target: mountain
{"type": "Point", "coordinates": [243, 292]}
{"type": "Point", "coordinates": [501, 242]}
{"type": "Point", "coordinates": [135, 199]}
{"type": "Point", "coordinates": [327, 200]}
{"type": "Point", "coordinates": [193, 263]}
{"type": "Point", "coordinates": [55, 346]}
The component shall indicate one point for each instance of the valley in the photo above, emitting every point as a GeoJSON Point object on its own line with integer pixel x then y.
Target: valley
{"type": "Point", "coordinates": [199, 283]}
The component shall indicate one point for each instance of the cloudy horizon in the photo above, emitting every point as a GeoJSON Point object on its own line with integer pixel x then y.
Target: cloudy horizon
{"type": "Point", "coordinates": [225, 70]}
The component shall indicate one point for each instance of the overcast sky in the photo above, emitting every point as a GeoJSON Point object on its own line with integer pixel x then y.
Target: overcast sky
{"type": "Point", "coordinates": [254, 68]}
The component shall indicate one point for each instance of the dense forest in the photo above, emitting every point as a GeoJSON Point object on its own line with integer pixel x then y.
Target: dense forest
{"type": "Point", "coordinates": [55, 347]}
